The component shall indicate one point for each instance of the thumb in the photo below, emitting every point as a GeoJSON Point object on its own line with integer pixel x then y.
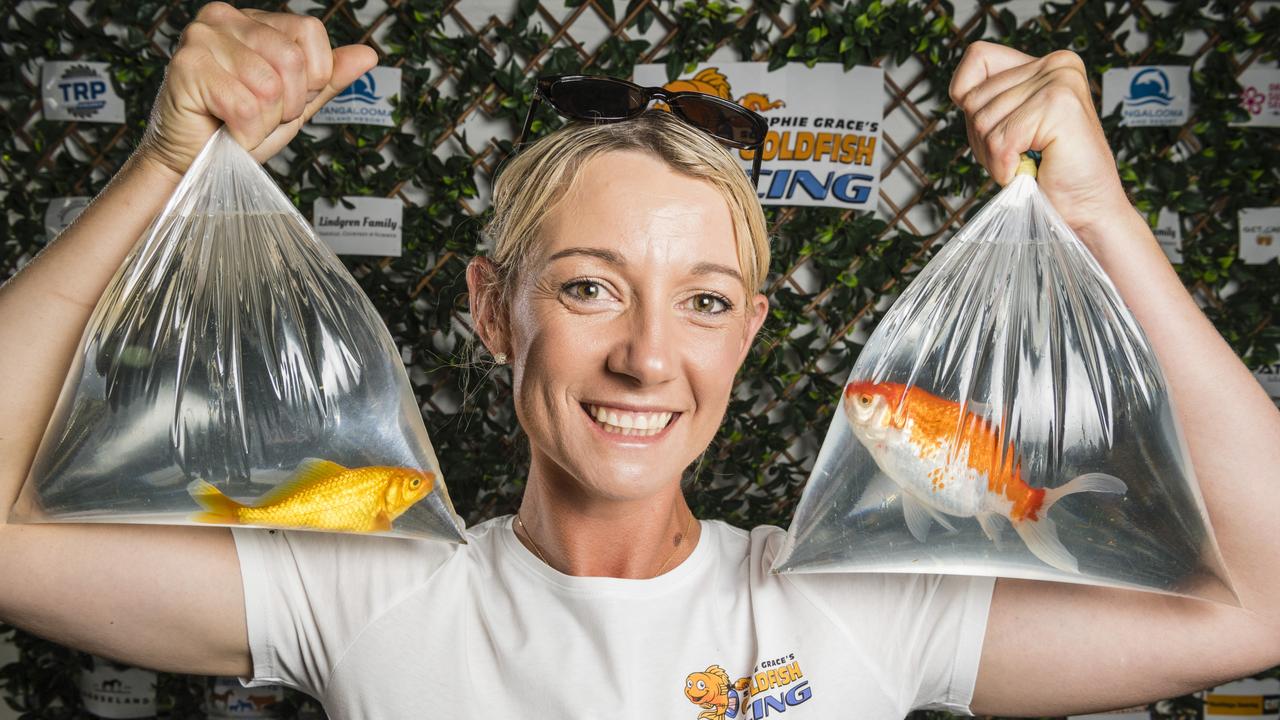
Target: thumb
{"type": "Point", "coordinates": [349, 63]}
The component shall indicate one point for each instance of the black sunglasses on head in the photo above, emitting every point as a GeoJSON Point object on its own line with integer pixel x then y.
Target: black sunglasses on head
{"type": "Point", "coordinates": [604, 99]}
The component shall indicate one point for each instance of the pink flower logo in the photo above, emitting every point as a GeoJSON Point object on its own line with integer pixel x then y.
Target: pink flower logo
{"type": "Point", "coordinates": [1252, 100]}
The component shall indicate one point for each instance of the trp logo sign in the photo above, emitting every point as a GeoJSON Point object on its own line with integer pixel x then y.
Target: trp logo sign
{"type": "Point", "coordinates": [79, 91]}
{"type": "Point", "coordinates": [367, 101]}
{"type": "Point", "coordinates": [823, 144]}
{"type": "Point", "coordinates": [1148, 95]}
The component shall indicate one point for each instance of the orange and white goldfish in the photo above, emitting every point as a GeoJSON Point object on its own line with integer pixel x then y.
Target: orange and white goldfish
{"type": "Point", "coordinates": [322, 495]}
{"type": "Point", "coordinates": [712, 691]}
{"type": "Point", "coordinates": [949, 460]}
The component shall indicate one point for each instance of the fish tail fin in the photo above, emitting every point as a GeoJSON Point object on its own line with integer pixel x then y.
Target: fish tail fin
{"type": "Point", "coordinates": [1041, 537]}
{"type": "Point", "coordinates": [1088, 482]}
{"type": "Point", "coordinates": [219, 509]}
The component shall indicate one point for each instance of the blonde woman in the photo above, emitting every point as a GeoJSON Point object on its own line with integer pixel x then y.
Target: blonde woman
{"type": "Point", "coordinates": [623, 294]}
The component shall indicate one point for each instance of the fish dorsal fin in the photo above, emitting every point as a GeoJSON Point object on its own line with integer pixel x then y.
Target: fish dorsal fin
{"type": "Point", "coordinates": [309, 472]}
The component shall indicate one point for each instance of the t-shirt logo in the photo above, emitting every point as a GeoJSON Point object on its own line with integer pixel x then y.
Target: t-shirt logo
{"type": "Point", "coordinates": [775, 686]}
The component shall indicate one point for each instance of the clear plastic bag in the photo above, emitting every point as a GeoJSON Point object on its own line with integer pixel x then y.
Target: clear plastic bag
{"type": "Point", "coordinates": [234, 373]}
{"type": "Point", "coordinates": [1008, 417]}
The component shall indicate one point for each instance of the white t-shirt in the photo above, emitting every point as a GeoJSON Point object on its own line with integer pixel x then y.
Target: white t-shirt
{"type": "Point", "coordinates": [390, 628]}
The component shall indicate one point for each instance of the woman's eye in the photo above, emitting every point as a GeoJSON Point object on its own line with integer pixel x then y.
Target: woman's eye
{"type": "Point", "coordinates": [586, 290]}
{"type": "Point", "coordinates": [710, 304]}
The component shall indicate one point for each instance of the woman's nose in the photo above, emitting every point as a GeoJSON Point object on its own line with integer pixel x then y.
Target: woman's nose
{"type": "Point", "coordinates": [645, 348]}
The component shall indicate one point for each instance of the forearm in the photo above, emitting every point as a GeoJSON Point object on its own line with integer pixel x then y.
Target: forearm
{"type": "Point", "coordinates": [44, 308]}
{"type": "Point", "coordinates": [1231, 427]}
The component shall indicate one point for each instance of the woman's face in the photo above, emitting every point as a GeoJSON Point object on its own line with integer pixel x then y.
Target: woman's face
{"type": "Point", "coordinates": [627, 329]}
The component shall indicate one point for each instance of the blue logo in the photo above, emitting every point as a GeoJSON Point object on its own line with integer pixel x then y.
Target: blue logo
{"type": "Point", "coordinates": [363, 90]}
{"type": "Point", "coordinates": [1149, 86]}
{"type": "Point", "coordinates": [83, 90]}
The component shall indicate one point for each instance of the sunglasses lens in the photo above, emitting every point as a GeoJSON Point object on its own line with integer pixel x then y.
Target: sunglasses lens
{"type": "Point", "coordinates": [596, 99]}
{"type": "Point", "coordinates": [720, 119]}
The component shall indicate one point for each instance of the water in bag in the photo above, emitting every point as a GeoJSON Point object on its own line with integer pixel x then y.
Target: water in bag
{"type": "Point", "coordinates": [1008, 417]}
{"type": "Point", "coordinates": [234, 373]}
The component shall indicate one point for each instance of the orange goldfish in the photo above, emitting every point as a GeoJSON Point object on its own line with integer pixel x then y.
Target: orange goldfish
{"type": "Point", "coordinates": [949, 460]}
{"type": "Point", "coordinates": [322, 495]}
{"type": "Point", "coordinates": [711, 691]}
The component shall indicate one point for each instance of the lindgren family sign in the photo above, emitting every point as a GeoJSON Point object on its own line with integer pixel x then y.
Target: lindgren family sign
{"type": "Point", "coordinates": [823, 147]}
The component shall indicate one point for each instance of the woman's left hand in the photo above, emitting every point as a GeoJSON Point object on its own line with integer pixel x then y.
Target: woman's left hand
{"type": "Point", "coordinates": [1014, 102]}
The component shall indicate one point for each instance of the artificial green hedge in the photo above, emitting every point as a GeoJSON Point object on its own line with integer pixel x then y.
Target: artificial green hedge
{"type": "Point", "coordinates": [1206, 170]}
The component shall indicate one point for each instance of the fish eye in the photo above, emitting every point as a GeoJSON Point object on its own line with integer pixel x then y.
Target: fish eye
{"type": "Point", "coordinates": [864, 400]}
{"type": "Point", "coordinates": [688, 683]}
{"type": "Point", "coordinates": [415, 482]}
{"type": "Point", "coordinates": [702, 685]}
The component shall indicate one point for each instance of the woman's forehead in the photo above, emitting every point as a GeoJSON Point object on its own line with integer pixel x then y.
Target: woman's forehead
{"type": "Point", "coordinates": [639, 208]}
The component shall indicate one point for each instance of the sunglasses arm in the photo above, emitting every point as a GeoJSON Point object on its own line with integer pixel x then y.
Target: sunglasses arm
{"type": "Point", "coordinates": [755, 166]}
{"type": "Point", "coordinates": [528, 122]}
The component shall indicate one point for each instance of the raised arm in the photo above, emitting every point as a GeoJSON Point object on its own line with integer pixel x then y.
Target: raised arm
{"type": "Point", "coordinates": [1053, 649]}
{"type": "Point", "coordinates": [160, 597]}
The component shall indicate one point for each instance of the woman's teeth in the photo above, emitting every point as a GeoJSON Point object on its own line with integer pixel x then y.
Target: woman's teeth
{"type": "Point", "coordinates": [629, 423]}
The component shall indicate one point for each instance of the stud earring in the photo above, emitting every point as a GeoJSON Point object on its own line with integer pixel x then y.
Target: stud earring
{"type": "Point", "coordinates": [500, 358]}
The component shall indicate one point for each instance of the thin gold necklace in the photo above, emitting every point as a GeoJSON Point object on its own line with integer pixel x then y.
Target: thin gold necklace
{"type": "Point", "coordinates": [688, 528]}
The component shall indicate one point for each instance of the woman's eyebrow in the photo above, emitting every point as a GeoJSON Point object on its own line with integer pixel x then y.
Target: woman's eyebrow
{"type": "Point", "coordinates": [608, 256]}
{"type": "Point", "coordinates": [614, 258]}
{"type": "Point", "coordinates": [706, 268]}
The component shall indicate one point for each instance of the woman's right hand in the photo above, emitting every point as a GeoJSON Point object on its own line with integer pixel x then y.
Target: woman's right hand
{"type": "Point", "coordinates": [262, 74]}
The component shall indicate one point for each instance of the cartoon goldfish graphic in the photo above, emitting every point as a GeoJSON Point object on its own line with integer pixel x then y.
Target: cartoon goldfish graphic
{"type": "Point", "coordinates": [710, 690]}
{"type": "Point", "coordinates": [759, 102]}
{"type": "Point", "coordinates": [948, 460]}
{"type": "Point", "coordinates": [713, 82]}
{"type": "Point", "coordinates": [710, 81]}
{"type": "Point", "coordinates": [322, 495]}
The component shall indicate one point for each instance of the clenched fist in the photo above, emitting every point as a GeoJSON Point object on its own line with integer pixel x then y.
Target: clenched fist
{"type": "Point", "coordinates": [262, 74]}
{"type": "Point", "coordinates": [1014, 102]}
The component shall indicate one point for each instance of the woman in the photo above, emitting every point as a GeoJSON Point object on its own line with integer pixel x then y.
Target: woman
{"type": "Point", "coordinates": [625, 288]}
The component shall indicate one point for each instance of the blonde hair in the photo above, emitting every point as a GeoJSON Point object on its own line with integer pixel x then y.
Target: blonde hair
{"type": "Point", "coordinates": [532, 183]}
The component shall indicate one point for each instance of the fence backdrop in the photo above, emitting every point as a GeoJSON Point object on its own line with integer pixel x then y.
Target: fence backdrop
{"type": "Point", "coordinates": [467, 69]}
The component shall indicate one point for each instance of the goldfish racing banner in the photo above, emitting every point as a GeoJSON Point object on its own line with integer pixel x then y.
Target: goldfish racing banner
{"type": "Point", "coordinates": [823, 147]}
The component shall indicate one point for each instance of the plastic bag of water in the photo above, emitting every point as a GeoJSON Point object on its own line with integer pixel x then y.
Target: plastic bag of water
{"type": "Point", "coordinates": [1008, 418]}
{"type": "Point", "coordinates": [234, 373]}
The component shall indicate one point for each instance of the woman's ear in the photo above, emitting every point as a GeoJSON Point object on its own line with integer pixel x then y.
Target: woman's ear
{"type": "Point", "coordinates": [759, 312]}
{"type": "Point", "coordinates": [488, 313]}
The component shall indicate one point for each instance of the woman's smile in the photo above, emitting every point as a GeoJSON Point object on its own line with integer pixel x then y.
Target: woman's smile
{"type": "Point", "coordinates": [636, 426]}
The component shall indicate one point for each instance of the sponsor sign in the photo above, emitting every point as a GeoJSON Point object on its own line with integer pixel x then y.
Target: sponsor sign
{"type": "Point", "coordinates": [1244, 699]}
{"type": "Point", "coordinates": [79, 91]}
{"type": "Point", "coordinates": [1168, 232]}
{"type": "Point", "coordinates": [823, 147]}
{"type": "Point", "coordinates": [372, 226]}
{"type": "Point", "coordinates": [1148, 94]}
{"type": "Point", "coordinates": [227, 699]}
{"type": "Point", "coordinates": [367, 101]}
{"type": "Point", "coordinates": [1260, 96]}
{"type": "Point", "coordinates": [1259, 235]}
{"type": "Point", "coordinates": [60, 212]}
{"type": "Point", "coordinates": [117, 691]}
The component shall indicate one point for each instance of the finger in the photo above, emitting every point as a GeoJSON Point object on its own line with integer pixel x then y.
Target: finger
{"type": "Point", "coordinates": [284, 55]}
{"type": "Point", "coordinates": [252, 70]}
{"type": "Point", "coordinates": [227, 98]}
{"type": "Point", "coordinates": [309, 34]}
{"type": "Point", "coordinates": [1031, 126]}
{"type": "Point", "coordinates": [986, 117]}
{"type": "Point", "coordinates": [1061, 63]}
{"type": "Point", "coordinates": [981, 61]}
{"type": "Point", "coordinates": [349, 63]}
